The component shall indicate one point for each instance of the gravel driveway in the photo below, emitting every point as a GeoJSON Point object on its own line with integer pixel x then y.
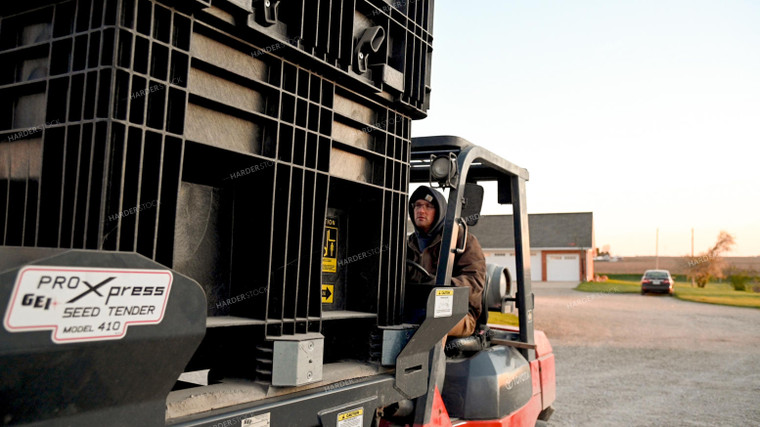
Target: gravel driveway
{"type": "Point", "coordinates": [632, 360]}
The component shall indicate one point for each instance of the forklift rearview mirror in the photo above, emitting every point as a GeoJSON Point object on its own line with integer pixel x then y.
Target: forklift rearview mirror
{"type": "Point", "coordinates": [472, 202]}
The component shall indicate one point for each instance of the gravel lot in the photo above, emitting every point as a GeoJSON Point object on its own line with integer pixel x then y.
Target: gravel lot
{"type": "Point", "coordinates": [632, 360]}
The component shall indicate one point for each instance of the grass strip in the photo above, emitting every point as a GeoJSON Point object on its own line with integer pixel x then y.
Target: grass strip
{"type": "Point", "coordinates": [713, 293]}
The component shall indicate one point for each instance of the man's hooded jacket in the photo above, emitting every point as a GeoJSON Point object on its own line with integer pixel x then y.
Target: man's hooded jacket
{"type": "Point", "coordinates": [469, 267]}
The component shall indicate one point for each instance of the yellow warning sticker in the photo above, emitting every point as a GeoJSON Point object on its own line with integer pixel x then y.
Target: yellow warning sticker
{"type": "Point", "coordinates": [352, 418]}
{"type": "Point", "coordinates": [329, 265]}
{"type": "Point", "coordinates": [328, 292]}
{"type": "Point", "coordinates": [444, 303]}
{"type": "Point", "coordinates": [330, 253]}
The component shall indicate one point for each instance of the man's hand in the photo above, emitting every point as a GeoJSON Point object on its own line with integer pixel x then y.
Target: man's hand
{"type": "Point", "coordinates": [416, 271]}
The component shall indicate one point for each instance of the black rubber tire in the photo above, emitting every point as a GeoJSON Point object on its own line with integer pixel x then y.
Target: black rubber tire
{"type": "Point", "coordinates": [545, 415]}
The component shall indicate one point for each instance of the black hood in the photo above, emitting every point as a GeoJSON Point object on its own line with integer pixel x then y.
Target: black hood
{"type": "Point", "coordinates": [438, 200]}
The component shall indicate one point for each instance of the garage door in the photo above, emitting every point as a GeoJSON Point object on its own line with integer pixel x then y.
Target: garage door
{"type": "Point", "coordinates": [508, 260]}
{"type": "Point", "coordinates": [535, 267]}
{"type": "Point", "coordinates": [561, 268]}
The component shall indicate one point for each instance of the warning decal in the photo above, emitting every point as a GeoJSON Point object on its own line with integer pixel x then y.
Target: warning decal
{"type": "Point", "coordinates": [330, 253]}
{"type": "Point", "coordinates": [86, 304]}
{"type": "Point", "coordinates": [328, 291]}
{"type": "Point", "coordinates": [444, 303]}
{"type": "Point", "coordinates": [257, 421]}
{"type": "Point", "coordinates": [352, 418]}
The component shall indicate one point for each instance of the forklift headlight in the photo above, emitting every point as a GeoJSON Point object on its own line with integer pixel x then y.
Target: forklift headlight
{"type": "Point", "coordinates": [443, 170]}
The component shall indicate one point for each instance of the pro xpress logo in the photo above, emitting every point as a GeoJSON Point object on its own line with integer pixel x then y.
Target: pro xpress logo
{"type": "Point", "coordinates": [86, 304]}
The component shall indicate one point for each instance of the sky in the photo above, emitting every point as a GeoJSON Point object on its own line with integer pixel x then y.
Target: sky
{"type": "Point", "coordinates": [646, 113]}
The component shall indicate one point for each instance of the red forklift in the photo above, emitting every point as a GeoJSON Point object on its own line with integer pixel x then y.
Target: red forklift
{"type": "Point", "coordinates": [501, 375]}
{"type": "Point", "coordinates": [203, 222]}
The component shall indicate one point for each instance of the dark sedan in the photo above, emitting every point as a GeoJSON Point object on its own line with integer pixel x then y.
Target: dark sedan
{"type": "Point", "coordinates": [657, 281]}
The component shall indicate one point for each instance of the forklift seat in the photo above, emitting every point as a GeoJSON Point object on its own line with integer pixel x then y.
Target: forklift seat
{"type": "Point", "coordinates": [497, 287]}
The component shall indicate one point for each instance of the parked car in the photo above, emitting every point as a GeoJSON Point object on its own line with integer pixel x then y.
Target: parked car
{"type": "Point", "coordinates": [657, 281]}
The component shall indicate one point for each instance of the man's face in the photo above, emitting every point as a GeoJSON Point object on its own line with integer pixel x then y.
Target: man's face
{"type": "Point", "coordinates": [424, 214]}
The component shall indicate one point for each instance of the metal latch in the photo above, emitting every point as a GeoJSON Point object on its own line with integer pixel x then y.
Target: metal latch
{"type": "Point", "coordinates": [267, 11]}
{"type": "Point", "coordinates": [370, 41]}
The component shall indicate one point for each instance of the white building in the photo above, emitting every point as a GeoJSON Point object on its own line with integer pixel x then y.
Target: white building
{"type": "Point", "coordinates": [562, 244]}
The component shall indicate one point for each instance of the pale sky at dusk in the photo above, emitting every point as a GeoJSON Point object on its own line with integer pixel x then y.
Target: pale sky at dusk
{"type": "Point", "coordinates": [646, 113]}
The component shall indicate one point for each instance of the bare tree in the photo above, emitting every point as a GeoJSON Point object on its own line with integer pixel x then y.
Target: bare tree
{"type": "Point", "coordinates": [709, 264]}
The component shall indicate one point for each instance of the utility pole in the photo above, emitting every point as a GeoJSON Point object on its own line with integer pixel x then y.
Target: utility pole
{"type": "Point", "coordinates": [657, 250]}
{"type": "Point", "coordinates": [692, 253]}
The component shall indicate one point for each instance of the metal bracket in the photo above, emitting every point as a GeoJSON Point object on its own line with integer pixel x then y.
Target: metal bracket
{"type": "Point", "coordinates": [517, 344]}
{"type": "Point", "coordinates": [412, 368]}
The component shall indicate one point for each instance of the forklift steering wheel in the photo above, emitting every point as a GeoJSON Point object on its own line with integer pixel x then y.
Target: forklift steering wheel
{"type": "Point", "coordinates": [420, 269]}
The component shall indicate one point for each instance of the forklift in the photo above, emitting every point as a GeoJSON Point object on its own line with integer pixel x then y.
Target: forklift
{"type": "Point", "coordinates": [203, 222]}
{"type": "Point", "coordinates": [501, 376]}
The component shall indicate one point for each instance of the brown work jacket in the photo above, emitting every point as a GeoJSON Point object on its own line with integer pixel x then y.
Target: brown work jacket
{"type": "Point", "coordinates": [469, 267]}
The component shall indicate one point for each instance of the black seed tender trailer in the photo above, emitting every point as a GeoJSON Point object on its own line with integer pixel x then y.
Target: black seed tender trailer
{"type": "Point", "coordinates": [203, 211]}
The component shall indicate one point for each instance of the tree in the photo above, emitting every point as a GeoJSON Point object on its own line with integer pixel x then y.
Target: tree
{"type": "Point", "coordinates": [709, 264]}
{"type": "Point", "coordinates": [741, 280]}
{"type": "Point", "coordinates": [604, 251]}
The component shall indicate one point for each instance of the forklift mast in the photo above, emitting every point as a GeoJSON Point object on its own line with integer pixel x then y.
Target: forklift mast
{"type": "Point", "coordinates": [475, 164]}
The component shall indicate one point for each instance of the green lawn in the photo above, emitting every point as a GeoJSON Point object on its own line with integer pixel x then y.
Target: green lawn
{"type": "Point", "coordinates": [611, 286]}
{"type": "Point", "coordinates": [713, 293]}
{"type": "Point", "coordinates": [718, 293]}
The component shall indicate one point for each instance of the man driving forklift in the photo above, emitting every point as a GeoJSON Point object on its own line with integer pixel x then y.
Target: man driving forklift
{"type": "Point", "coordinates": [427, 209]}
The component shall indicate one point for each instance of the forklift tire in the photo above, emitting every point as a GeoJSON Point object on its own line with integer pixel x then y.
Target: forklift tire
{"type": "Point", "coordinates": [545, 415]}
